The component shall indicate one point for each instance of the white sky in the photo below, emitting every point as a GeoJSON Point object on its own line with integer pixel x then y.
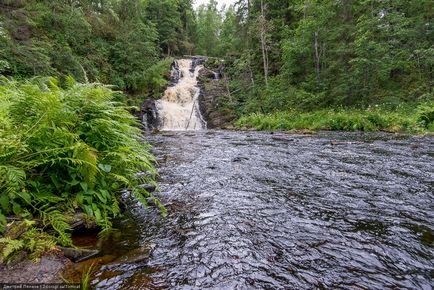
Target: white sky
{"type": "Point", "coordinates": [221, 2]}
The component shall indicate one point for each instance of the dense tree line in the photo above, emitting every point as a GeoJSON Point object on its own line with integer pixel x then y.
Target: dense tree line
{"type": "Point", "coordinates": [308, 54]}
{"type": "Point", "coordinates": [280, 54]}
{"type": "Point", "coordinates": [109, 41]}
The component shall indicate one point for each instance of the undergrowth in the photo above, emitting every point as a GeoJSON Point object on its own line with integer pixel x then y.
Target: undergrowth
{"type": "Point", "coordinates": [64, 150]}
{"type": "Point", "coordinates": [34, 241]}
{"type": "Point", "coordinates": [415, 120]}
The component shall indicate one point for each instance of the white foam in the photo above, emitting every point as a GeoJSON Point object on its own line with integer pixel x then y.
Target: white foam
{"type": "Point", "coordinates": [178, 109]}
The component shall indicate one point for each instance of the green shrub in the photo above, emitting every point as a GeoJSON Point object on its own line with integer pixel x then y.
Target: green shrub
{"type": "Point", "coordinates": [425, 114]}
{"type": "Point", "coordinates": [157, 76]}
{"type": "Point", "coordinates": [67, 149]}
{"type": "Point", "coordinates": [343, 119]}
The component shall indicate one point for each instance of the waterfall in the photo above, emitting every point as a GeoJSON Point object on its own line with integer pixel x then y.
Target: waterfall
{"type": "Point", "coordinates": [178, 109]}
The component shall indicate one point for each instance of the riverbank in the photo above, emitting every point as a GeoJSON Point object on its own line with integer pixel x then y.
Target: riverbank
{"type": "Point", "coordinates": [413, 120]}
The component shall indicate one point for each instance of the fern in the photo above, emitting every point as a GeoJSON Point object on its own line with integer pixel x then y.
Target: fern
{"type": "Point", "coordinates": [38, 243]}
{"type": "Point", "coordinates": [68, 149]}
{"type": "Point", "coordinates": [9, 247]}
{"type": "Point", "coordinates": [58, 221]}
{"type": "Point", "coordinates": [11, 179]}
{"type": "Point", "coordinates": [34, 241]}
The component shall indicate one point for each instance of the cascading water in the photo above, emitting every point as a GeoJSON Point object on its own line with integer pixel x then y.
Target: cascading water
{"type": "Point", "coordinates": [178, 109]}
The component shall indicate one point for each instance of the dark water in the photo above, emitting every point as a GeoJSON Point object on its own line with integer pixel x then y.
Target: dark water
{"type": "Point", "coordinates": [254, 210]}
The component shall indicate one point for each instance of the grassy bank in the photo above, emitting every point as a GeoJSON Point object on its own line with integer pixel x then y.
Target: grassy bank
{"type": "Point", "coordinates": [64, 149]}
{"type": "Point", "coordinates": [417, 119]}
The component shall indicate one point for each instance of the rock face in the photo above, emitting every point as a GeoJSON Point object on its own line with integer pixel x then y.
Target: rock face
{"type": "Point", "coordinates": [213, 98]}
{"type": "Point", "coordinates": [137, 255]}
{"type": "Point", "coordinates": [150, 115]}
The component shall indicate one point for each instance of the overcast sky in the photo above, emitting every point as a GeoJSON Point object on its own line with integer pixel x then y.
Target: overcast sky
{"type": "Point", "coordinates": [221, 2]}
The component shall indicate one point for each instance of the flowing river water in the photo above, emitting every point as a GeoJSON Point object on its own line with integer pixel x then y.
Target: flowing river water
{"type": "Point", "coordinates": [252, 210]}
{"type": "Point", "coordinates": [263, 210]}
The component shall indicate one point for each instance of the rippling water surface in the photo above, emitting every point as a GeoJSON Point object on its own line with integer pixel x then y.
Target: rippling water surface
{"type": "Point", "coordinates": [251, 210]}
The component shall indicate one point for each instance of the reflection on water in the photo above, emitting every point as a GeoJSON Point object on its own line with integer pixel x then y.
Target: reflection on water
{"type": "Point", "coordinates": [254, 210]}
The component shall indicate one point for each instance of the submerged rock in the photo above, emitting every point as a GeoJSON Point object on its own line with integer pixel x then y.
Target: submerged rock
{"type": "Point", "coordinates": [78, 254]}
{"type": "Point", "coordinates": [136, 255]}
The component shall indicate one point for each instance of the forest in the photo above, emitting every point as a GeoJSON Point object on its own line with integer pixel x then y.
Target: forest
{"type": "Point", "coordinates": [71, 72]}
{"type": "Point", "coordinates": [373, 59]}
{"type": "Point", "coordinates": [280, 56]}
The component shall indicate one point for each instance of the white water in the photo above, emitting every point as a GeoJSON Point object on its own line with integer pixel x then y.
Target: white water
{"type": "Point", "coordinates": [178, 109]}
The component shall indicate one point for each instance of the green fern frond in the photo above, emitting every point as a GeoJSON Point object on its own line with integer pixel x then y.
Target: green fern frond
{"type": "Point", "coordinates": [38, 243]}
{"type": "Point", "coordinates": [65, 149]}
{"type": "Point", "coordinates": [89, 168]}
{"type": "Point", "coordinates": [120, 178]}
{"type": "Point", "coordinates": [58, 221]}
{"type": "Point", "coordinates": [12, 180]}
{"type": "Point", "coordinates": [10, 246]}
{"type": "Point", "coordinates": [139, 195]}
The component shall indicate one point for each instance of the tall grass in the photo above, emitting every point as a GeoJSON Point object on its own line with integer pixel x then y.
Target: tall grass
{"type": "Point", "coordinates": [405, 119]}
{"type": "Point", "coordinates": [67, 149]}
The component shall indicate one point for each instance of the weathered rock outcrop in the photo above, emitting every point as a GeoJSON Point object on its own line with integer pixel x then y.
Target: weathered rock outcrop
{"type": "Point", "coordinates": [149, 115]}
{"type": "Point", "coordinates": [214, 97]}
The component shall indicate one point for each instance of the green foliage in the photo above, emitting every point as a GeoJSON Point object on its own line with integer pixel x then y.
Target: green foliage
{"type": "Point", "coordinates": [425, 115]}
{"type": "Point", "coordinates": [111, 42]}
{"type": "Point", "coordinates": [209, 22]}
{"type": "Point", "coordinates": [374, 119]}
{"type": "Point", "coordinates": [176, 25]}
{"type": "Point", "coordinates": [67, 149]}
{"type": "Point", "coordinates": [10, 246]}
{"type": "Point", "coordinates": [85, 278]}
{"type": "Point", "coordinates": [34, 241]}
{"type": "Point", "coordinates": [324, 54]}
{"type": "Point", "coordinates": [157, 77]}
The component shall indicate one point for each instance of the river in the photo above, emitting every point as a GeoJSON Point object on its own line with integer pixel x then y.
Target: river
{"type": "Point", "coordinates": [256, 210]}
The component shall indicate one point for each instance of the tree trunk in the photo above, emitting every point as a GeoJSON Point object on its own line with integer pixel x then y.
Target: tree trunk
{"type": "Point", "coordinates": [263, 38]}
{"type": "Point", "coordinates": [252, 79]}
{"type": "Point", "coordinates": [317, 58]}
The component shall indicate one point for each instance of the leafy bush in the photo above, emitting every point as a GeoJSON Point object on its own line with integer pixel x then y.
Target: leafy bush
{"type": "Point", "coordinates": [425, 114]}
{"type": "Point", "coordinates": [156, 77]}
{"type": "Point", "coordinates": [67, 149]}
{"type": "Point", "coordinates": [109, 43]}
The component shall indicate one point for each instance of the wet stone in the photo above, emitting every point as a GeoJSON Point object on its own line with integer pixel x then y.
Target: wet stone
{"type": "Point", "coordinates": [137, 255]}
{"type": "Point", "coordinates": [47, 270]}
{"type": "Point", "coordinates": [77, 254]}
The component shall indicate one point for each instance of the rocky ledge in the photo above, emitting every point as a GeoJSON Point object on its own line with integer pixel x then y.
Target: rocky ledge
{"type": "Point", "coordinates": [214, 98]}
